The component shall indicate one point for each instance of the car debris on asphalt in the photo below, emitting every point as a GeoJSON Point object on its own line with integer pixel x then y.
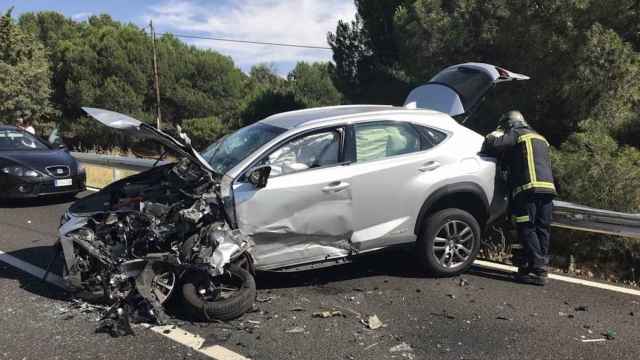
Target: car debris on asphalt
{"type": "Point", "coordinates": [402, 347]}
{"type": "Point", "coordinates": [374, 322]}
{"type": "Point", "coordinates": [295, 330]}
{"type": "Point", "coordinates": [327, 314]}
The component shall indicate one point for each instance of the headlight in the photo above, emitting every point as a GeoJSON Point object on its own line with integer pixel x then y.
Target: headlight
{"type": "Point", "coordinates": [65, 217]}
{"type": "Point", "coordinates": [19, 171]}
{"type": "Point", "coordinates": [81, 168]}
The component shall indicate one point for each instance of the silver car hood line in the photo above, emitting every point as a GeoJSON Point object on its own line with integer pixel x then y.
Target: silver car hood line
{"type": "Point", "coordinates": [139, 129]}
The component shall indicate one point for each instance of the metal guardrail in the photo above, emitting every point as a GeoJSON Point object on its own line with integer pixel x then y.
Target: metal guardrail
{"type": "Point", "coordinates": [566, 215]}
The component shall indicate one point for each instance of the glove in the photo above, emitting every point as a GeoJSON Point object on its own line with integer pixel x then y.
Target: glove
{"type": "Point", "coordinates": [497, 133]}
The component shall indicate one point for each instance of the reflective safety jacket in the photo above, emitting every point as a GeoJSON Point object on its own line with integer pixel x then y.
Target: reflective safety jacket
{"type": "Point", "coordinates": [526, 154]}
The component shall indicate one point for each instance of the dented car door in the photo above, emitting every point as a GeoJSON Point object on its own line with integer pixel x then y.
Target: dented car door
{"type": "Point", "coordinates": [304, 213]}
{"type": "Point", "coordinates": [394, 166]}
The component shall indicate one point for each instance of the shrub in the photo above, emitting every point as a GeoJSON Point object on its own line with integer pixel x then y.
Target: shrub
{"type": "Point", "coordinates": [203, 131]}
{"type": "Point", "coordinates": [590, 168]}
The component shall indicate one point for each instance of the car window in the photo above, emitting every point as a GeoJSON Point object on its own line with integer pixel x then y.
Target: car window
{"type": "Point", "coordinates": [306, 152]}
{"type": "Point", "coordinates": [20, 140]}
{"type": "Point", "coordinates": [431, 137]}
{"type": "Point", "coordinates": [230, 150]}
{"type": "Point", "coordinates": [379, 140]}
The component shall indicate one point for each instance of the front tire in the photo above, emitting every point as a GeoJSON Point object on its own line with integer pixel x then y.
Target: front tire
{"type": "Point", "coordinates": [208, 298]}
{"type": "Point", "coordinates": [449, 242]}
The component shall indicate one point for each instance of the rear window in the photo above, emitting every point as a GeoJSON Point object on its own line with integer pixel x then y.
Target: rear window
{"type": "Point", "coordinates": [431, 137]}
{"type": "Point", "coordinates": [470, 84]}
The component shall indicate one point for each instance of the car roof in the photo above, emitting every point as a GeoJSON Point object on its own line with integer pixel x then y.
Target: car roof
{"type": "Point", "coordinates": [7, 127]}
{"type": "Point", "coordinates": [292, 119]}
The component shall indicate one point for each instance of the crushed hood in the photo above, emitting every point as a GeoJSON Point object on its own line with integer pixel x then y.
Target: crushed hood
{"type": "Point", "coordinates": [141, 130]}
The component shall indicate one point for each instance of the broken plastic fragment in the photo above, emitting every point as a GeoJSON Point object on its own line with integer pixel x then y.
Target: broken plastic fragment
{"type": "Point", "coordinates": [327, 314]}
{"type": "Point", "coordinates": [374, 322]}
{"type": "Point", "coordinates": [295, 330]}
{"type": "Point", "coordinates": [593, 340]}
{"type": "Point", "coordinates": [403, 347]}
{"type": "Point", "coordinates": [610, 335]}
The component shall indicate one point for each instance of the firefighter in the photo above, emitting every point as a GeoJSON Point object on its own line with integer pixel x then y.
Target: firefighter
{"type": "Point", "coordinates": [525, 155]}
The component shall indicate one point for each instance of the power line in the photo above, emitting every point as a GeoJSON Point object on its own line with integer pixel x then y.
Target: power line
{"type": "Point", "coordinates": [247, 41]}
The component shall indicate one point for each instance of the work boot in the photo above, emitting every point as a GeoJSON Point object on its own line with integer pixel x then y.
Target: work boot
{"type": "Point", "coordinates": [524, 276]}
{"type": "Point", "coordinates": [541, 272]}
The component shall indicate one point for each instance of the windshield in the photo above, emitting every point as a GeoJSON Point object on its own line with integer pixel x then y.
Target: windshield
{"type": "Point", "coordinates": [20, 140]}
{"type": "Point", "coordinates": [228, 151]}
{"type": "Point", "coordinates": [470, 84]}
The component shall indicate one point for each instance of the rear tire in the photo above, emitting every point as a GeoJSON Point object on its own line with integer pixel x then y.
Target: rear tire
{"type": "Point", "coordinates": [449, 242]}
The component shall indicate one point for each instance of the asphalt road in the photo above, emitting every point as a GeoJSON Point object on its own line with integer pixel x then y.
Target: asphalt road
{"type": "Point", "coordinates": [480, 315]}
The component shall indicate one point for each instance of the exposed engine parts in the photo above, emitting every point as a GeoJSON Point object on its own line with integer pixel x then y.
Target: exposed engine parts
{"type": "Point", "coordinates": [140, 244]}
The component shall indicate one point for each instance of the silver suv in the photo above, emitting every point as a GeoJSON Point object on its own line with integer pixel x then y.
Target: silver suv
{"type": "Point", "coordinates": [322, 185]}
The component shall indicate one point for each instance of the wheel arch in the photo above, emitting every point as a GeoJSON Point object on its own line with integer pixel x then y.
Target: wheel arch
{"type": "Point", "coordinates": [466, 196]}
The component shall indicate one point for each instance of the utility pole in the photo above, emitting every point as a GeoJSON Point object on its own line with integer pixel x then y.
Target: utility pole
{"type": "Point", "coordinates": [155, 75]}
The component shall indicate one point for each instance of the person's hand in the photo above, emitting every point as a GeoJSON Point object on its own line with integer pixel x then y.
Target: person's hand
{"type": "Point", "coordinates": [494, 135]}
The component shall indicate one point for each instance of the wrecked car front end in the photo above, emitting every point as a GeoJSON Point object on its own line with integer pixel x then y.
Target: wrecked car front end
{"type": "Point", "coordinates": [135, 241]}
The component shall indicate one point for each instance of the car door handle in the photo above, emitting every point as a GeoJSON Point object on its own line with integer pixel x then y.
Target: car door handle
{"type": "Point", "coordinates": [429, 166]}
{"type": "Point", "coordinates": [335, 186]}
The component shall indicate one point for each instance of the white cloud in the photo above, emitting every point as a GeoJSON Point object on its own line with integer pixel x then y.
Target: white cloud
{"type": "Point", "coordinates": [286, 21]}
{"type": "Point", "coordinates": [81, 16]}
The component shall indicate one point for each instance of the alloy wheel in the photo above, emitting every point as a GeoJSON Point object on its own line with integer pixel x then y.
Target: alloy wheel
{"type": "Point", "coordinates": [453, 244]}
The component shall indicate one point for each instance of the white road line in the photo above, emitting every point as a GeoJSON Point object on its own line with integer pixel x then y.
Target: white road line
{"type": "Point", "coordinates": [572, 280]}
{"type": "Point", "coordinates": [31, 269]}
{"type": "Point", "coordinates": [94, 189]}
{"type": "Point", "coordinates": [195, 342]}
{"type": "Point", "coordinates": [222, 353]}
{"type": "Point", "coordinates": [176, 334]}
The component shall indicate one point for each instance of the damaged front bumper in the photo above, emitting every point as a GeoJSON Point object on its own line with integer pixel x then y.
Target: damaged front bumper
{"type": "Point", "coordinates": [232, 244]}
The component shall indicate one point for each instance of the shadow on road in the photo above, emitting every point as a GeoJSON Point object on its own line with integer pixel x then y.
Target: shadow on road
{"type": "Point", "coordinates": [39, 256]}
{"type": "Point", "coordinates": [491, 274]}
{"type": "Point", "coordinates": [400, 264]}
{"type": "Point", "coordinates": [37, 202]}
{"type": "Point", "coordinates": [32, 284]}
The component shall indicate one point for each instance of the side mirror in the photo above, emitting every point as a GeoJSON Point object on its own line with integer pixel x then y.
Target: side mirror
{"type": "Point", "coordinates": [258, 176]}
{"type": "Point", "coordinates": [62, 146]}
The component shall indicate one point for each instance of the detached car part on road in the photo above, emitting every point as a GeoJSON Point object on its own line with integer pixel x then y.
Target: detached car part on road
{"type": "Point", "coordinates": [298, 189]}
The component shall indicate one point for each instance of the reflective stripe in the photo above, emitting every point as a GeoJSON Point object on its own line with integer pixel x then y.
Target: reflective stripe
{"type": "Point", "coordinates": [526, 137]}
{"type": "Point", "coordinates": [521, 219]}
{"type": "Point", "coordinates": [532, 164]}
{"type": "Point", "coordinates": [537, 184]}
{"type": "Point", "coordinates": [533, 177]}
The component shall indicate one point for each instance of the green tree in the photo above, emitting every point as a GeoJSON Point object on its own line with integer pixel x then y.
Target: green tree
{"type": "Point", "coordinates": [312, 86]}
{"type": "Point", "coordinates": [366, 56]}
{"type": "Point", "coordinates": [581, 60]}
{"type": "Point", "coordinates": [203, 131]}
{"type": "Point", "coordinates": [24, 74]}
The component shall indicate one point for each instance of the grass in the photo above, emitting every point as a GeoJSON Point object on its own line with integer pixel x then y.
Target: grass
{"type": "Point", "coordinates": [101, 176]}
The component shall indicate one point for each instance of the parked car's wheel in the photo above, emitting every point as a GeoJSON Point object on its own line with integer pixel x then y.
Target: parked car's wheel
{"type": "Point", "coordinates": [223, 297]}
{"type": "Point", "coordinates": [449, 242]}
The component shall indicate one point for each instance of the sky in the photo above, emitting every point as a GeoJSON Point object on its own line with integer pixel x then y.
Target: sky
{"type": "Point", "coordinates": [282, 21]}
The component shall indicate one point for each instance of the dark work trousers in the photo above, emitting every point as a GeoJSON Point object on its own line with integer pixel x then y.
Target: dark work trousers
{"type": "Point", "coordinates": [532, 215]}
